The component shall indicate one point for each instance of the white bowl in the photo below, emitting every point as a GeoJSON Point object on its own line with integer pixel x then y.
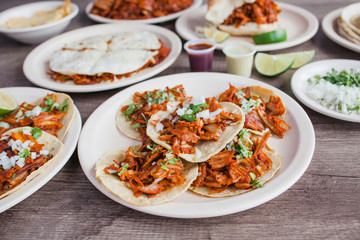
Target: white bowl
{"type": "Point", "coordinates": [37, 34]}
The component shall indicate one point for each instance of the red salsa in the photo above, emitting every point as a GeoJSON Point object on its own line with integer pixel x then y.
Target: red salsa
{"type": "Point", "coordinates": [200, 46]}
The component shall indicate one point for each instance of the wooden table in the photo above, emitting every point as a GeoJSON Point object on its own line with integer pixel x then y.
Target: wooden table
{"type": "Point", "coordinates": [324, 203]}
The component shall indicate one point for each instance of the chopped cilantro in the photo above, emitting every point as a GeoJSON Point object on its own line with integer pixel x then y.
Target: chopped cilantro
{"type": "Point", "coordinates": [159, 93]}
{"type": "Point", "coordinates": [132, 107]}
{"type": "Point", "coordinates": [195, 109]}
{"type": "Point", "coordinates": [36, 132]}
{"type": "Point", "coordinates": [137, 125]}
{"type": "Point", "coordinates": [143, 115]}
{"type": "Point", "coordinates": [24, 154]}
{"type": "Point", "coordinates": [256, 183]}
{"type": "Point", "coordinates": [153, 148]}
{"type": "Point", "coordinates": [13, 176]}
{"type": "Point", "coordinates": [135, 150]}
{"type": "Point", "coordinates": [170, 161]}
{"type": "Point", "coordinates": [123, 169]}
{"type": "Point", "coordinates": [64, 106]}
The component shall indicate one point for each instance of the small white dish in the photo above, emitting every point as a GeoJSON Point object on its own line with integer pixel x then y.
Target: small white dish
{"type": "Point", "coordinates": [299, 84]}
{"type": "Point", "coordinates": [37, 34]}
{"type": "Point", "coordinates": [300, 24]}
{"type": "Point", "coordinates": [329, 26]}
{"type": "Point", "coordinates": [30, 94]}
{"type": "Point", "coordinates": [36, 64]}
{"type": "Point", "coordinates": [166, 18]}
{"type": "Point", "coordinates": [100, 136]}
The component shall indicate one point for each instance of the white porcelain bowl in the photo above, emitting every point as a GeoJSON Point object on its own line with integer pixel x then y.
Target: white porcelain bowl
{"type": "Point", "coordinates": [37, 34]}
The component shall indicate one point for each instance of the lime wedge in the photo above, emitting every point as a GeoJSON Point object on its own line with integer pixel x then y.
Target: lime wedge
{"type": "Point", "coordinates": [216, 35]}
{"type": "Point", "coordinates": [278, 35]}
{"type": "Point", "coordinates": [272, 65]}
{"type": "Point", "coordinates": [301, 58]}
{"type": "Point", "coordinates": [7, 104]}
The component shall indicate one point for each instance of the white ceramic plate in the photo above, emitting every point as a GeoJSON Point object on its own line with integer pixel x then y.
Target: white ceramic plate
{"type": "Point", "coordinates": [29, 94]}
{"type": "Point", "coordinates": [300, 25]}
{"type": "Point", "coordinates": [329, 26]}
{"type": "Point", "coordinates": [100, 136]}
{"type": "Point", "coordinates": [166, 18]}
{"type": "Point", "coordinates": [299, 84]}
{"type": "Point", "coordinates": [36, 63]}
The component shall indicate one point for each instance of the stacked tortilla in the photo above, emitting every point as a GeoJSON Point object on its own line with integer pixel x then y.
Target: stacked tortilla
{"type": "Point", "coordinates": [349, 23]}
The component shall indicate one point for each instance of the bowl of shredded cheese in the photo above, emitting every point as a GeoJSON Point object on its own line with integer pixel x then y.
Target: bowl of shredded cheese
{"type": "Point", "coordinates": [36, 22]}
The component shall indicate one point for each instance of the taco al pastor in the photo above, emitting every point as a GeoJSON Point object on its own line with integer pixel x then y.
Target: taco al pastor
{"type": "Point", "coordinates": [244, 164]}
{"type": "Point", "coordinates": [24, 153]}
{"type": "Point", "coordinates": [145, 175]}
{"type": "Point", "coordinates": [53, 114]}
{"type": "Point", "coordinates": [197, 129]}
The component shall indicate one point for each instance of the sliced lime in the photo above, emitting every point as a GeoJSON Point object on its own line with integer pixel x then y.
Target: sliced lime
{"type": "Point", "coordinates": [278, 35]}
{"type": "Point", "coordinates": [216, 35]}
{"type": "Point", "coordinates": [301, 58]}
{"type": "Point", "coordinates": [7, 104]}
{"type": "Point", "coordinates": [272, 65]}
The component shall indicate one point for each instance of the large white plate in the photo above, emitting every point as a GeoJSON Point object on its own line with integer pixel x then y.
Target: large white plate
{"type": "Point", "coordinates": [29, 94]}
{"type": "Point", "coordinates": [299, 84]}
{"type": "Point", "coordinates": [329, 26]}
{"type": "Point", "coordinates": [36, 63]}
{"type": "Point", "coordinates": [100, 136]}
{"type": "Point", "coordinates": [300, 25]}
{"type": "Point", "coordinates": [166, 18]}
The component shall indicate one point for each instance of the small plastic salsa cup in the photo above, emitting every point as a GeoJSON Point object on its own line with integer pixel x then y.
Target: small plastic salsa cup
{"type": "Point", "coordinates": [200, 52]}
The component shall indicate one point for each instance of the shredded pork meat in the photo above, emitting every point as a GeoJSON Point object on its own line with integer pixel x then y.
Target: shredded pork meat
{"type": "Point", "coordinates": [260, 12]}
{"type": "Point", "coordinates": [49, 119]}
{"type": "Point", "coordinates": [138, 9]}
{"type": "Point", "coordinates": [265, 115]}
{"type": "Point", "coordinates": [149, 170]}
{"type": "Point", "coordinates": [231, 167]}
{"type": "Point", "coordinates": [184, 132]}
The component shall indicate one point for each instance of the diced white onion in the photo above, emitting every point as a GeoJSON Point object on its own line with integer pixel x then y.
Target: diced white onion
{"type": "Point", "coordinates": [216, 112]}
{"type": "Point", "coordinates": [198, 100]}
{"type": "Point", "coordinates": [44, 152]}
{"type": "Point", "coordinates": [159, 126]}
{"type": "Point", "coordinates": [4, 125]}
{"type": "Point", "coordinates": [203, 114]}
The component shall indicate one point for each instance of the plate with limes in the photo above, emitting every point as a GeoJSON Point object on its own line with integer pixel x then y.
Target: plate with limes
{"type": "Point", "coordinates": [297, 26]}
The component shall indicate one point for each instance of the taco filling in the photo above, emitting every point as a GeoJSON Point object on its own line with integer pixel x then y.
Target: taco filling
{"type": "Point", "coordinates": [193, 122]}
{"type": "Point", "coordinates": [48, 115]}
{"type": "Point", "coordinates": [241, 165]}
{"type": "Point", "coordinates": [144, 105]}
{"type": "Point", "coordinates": [260, 115]}
{"type": "Point", "coordinates": [148, 170]}
{"type": "Point", "coordinates": [21, 153]}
